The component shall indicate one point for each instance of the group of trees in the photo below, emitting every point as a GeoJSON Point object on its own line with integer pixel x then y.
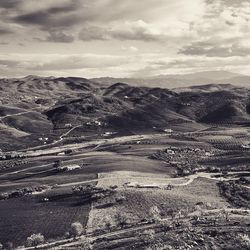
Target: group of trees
{"type": "Point", "coordinates": [91, 192]}
{"type": "Point", "coordinates": [235, 193]}
{"type": "Point", "coordinates": [34, 240]}
{"type": "Point", "coordinates": [21, 192]}
{"type": "Point", "coordinates": [76, 230]}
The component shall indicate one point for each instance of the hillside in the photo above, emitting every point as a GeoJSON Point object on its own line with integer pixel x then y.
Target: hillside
{"type": "Point", "coordinates": [32, 107]}
{"type": "Point", "coordinates": [121, 105]}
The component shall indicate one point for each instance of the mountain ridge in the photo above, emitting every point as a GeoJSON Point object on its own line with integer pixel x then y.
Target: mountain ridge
{"type": "Point", "coordinates": [182, 80]}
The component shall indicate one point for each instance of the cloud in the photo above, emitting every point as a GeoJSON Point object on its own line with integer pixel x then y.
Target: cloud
{"type": "Point", "coordinates": [44, 14]}
{"type": "Point", "coordinates": [4, 31]}
{"type": "Point", "coordinates": [215, 50]}
{"type": "Point", "coordinates": [222, 32]}
{"type": "Point", "coordinates": [9, 63]}
{"type": "Point", "coordinates": [91, 33]}
{"type": "Point", "coordinates": [57, 37]}
{"type": "Point", "coordinates": [9, 4]}
{"type": "Point", "coordinates": [47, 19]}
{"type": "Point", "coordinates": [95, 65]}
{"type": "Point", "coordinates": [57, 64]}
{"type": "Point", "coordinates": [122, 20]}
{"type": "Point", "coordinates": [136, 30]}
{"type": "Point", "coordinates": [123, 37]}
{"type": "Point", "coordinates": [86, 65]}
{"type": "Point", "coordinates": [80, 62]}
{"type": "Point", "coordinates": [130, 48]}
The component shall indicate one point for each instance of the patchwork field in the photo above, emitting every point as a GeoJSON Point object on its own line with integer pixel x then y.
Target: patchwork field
{"type": "Point", "coordinates": [147, 192]}
{"type": "Point", "coordinates": [140, 184]}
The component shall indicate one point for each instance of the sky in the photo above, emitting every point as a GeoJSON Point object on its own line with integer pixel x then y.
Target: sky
{"type": "Point", "coordinates": [123, 38]}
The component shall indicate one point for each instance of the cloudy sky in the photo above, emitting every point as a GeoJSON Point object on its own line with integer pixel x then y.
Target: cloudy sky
{"type": "Point", "coordinates": [119, 38]}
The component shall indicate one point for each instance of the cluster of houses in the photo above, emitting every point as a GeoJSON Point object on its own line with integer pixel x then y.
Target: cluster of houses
{"type": "Point", "coordinates": [184, 159]}
{"type": "Point", "coordinates": [43, 139]}
{"type": "Point", "coordinates": [246, 146]}
{"type": "Point", "coordinates": [70, 167]}
{"type": "Point", "coordinates": [11, 155]}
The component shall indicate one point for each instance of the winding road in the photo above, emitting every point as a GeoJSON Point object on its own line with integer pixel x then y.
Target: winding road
{"type": "Point", "coordinates": [190, 180]}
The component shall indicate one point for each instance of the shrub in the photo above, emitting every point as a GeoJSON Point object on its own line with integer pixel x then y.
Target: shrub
{"type": "Point", "coordinates": [120, 198]}
{"type": "Point", "coordinates": [244, 240]}
{"type": "Point", "coordinates": [86, 244]}
{"type": "Point", "coordinates": [155, 213]}
{"type": "Point", "coordinates": [4, 196]}
{"type": "Point", "coordinates": [122, 220]}
{"type": "Point", "coordinates": [76, 229]}
{"type": "Point", "coordinates": [108, 225]}
{"type": "Point", "coordinates": [34, 240]}
{"type": "Point", "coordinates": [147, 236]}
{"type": "Point", "coordinates": [67, 235]}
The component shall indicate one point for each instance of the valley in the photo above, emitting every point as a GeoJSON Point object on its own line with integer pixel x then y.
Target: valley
{"type": "Point", "coordinates": [137, 167]}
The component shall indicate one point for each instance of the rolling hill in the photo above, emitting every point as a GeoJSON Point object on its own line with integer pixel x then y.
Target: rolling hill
{"type": "Point", "coordinates": [121, 105]}
{"type": "Point", "coordinates": [33, 106]}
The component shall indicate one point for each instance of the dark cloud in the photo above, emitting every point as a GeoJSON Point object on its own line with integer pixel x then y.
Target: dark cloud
{"type": "Point", "coordinates": [56, 16]}
{"type": "Point", "coordinates": [70, 6]}
{"type": "Point", "coordinates": [214, 50]}
{"type": "Point", "coordinates": [47, 20]}
{"type": "Point", "coordinates": [5, 31]}
{"type": "Point", "coordinates": [9, 4]}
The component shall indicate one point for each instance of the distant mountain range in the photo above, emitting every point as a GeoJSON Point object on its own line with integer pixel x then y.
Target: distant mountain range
{"type": "Point", "coordinates": [180, 81]}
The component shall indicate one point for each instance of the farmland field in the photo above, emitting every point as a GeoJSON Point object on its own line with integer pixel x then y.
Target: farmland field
{"type": "Point", "coordinates": [139, 201]}
{"type": "Point", "coordinates": [142, 183]}
{"type": "Point", "coordinates": [22, 217]}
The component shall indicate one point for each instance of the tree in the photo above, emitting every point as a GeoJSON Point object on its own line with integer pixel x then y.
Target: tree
{"type": "Point", "coordinates": [165, 224]}
{"type": "Point", "coordinates": [108, 225]}
{"type": "Point", "coordinates": [67, 235]}
{"type": "Point", "coordinates": [122, 220]}
{"type": "Point", "coordinates": [34, 240]}
{"type": "Point", "coordinates": [155, 213]}
{"type": "Point", "coordinates": [4, 196]}
{"type": "Point", "coordinates": [76, 229]}
{"type": "Point", "coordinates": [57, 164]}
{"type": "Point", "coordinates": [86, 244]}
{"type": "Point", "coordinates": [225, 214]}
